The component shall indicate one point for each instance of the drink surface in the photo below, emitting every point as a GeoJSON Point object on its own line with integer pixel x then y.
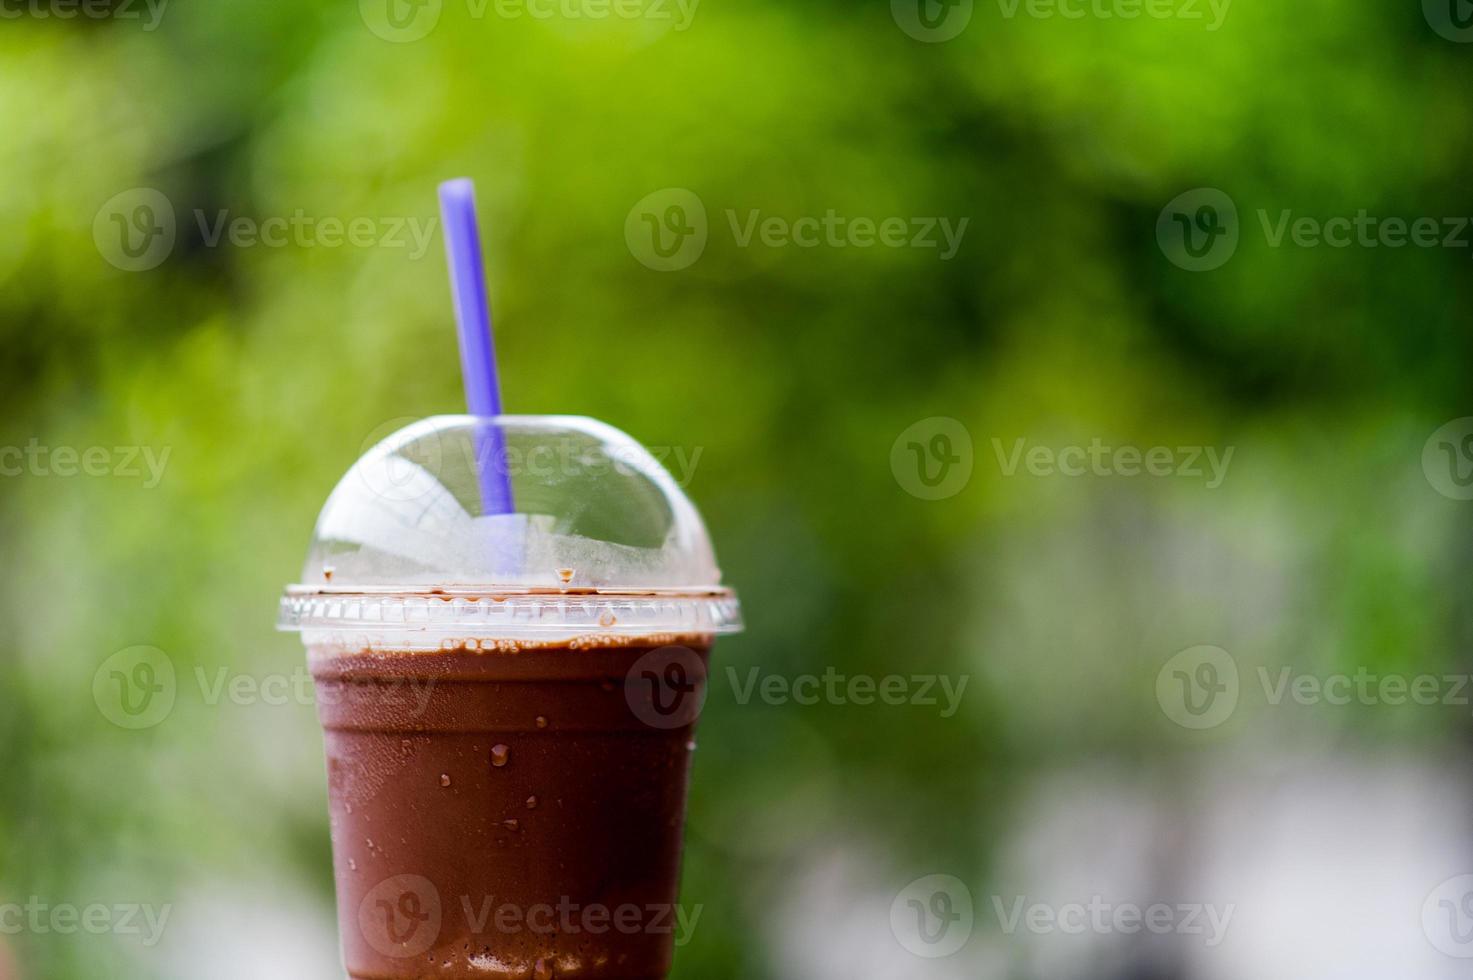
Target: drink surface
{"type": "Point", "coordinates": [510, 814]}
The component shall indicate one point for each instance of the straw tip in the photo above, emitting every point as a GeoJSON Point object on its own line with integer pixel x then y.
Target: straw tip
{"type": "Point", "coordinates": [459, 189]}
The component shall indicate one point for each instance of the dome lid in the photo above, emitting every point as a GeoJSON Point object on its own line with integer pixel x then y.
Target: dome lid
{"type": "Point", "coordinates": [563, 523]}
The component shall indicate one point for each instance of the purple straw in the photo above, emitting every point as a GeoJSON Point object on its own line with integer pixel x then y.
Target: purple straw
{"type": "Point", "coordinates": [477, 354]}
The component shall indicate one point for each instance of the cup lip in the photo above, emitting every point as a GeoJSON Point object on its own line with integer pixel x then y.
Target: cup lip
{"type": "Point", "coordinates": [509, 611]}
{"type": "Point", "coordinates": [449, 592]}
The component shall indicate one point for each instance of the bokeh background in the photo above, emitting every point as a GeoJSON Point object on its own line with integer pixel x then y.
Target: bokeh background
{"type": "Point", "coordinates": [1072, 313]}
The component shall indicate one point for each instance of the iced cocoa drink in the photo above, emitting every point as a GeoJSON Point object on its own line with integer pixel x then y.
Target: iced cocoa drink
{"type": "Point", "coordinates": [522, 800]}
{"type": "Point", "coordinates": [509, 704]}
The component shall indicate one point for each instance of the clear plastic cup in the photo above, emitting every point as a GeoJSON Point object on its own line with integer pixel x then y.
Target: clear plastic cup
{"type": "Point", "coordinates": [508, 699]}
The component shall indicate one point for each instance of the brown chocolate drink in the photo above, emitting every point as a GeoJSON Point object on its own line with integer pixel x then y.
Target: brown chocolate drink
{"type": "Point", "coordinates": [508, 686]}
{"type": "Point", "coordinates": [510, 814]}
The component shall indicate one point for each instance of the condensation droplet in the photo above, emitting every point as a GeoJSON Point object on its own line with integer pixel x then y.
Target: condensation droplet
{"type": "Point", "coordinates": [500, 755]}
{"type": "Point", "coordinates": [531, 803]}
{"type": "Point", "coordinates": [541, 722]}
{"type": "Point", "coordinates": [444, 779]}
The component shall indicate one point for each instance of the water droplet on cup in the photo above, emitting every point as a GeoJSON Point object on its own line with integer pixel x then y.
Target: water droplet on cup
{"type": "Point", "coordinates": [444, 779]}
{"type": "Point", "coordinates": [512, 824]}
{"type": "Point", "coordinates": [500, 755]}
{"type": "Point", "coordinates": [541, 722]}
{"type": "Point", "coordinates": [543, 970]}
{"type": "Point", "coordinates": [531, 803]}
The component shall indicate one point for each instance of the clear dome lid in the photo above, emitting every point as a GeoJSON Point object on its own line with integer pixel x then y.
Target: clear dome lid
{"type": "Point", "coordinates": [508, 526]}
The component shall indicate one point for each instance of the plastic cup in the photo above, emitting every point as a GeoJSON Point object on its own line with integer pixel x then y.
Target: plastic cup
{"type": "Point", "coordinates": [509, 700]}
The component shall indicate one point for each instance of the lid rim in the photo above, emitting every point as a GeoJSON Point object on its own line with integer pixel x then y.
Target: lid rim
{"type": "Point", "coordinates": [495, 614]}
{"type": "Point", "coordinates": [302, 590]}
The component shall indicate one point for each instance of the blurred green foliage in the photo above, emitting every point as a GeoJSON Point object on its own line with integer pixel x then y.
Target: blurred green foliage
{"type": "Point", "coordinates": [265, 371]}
